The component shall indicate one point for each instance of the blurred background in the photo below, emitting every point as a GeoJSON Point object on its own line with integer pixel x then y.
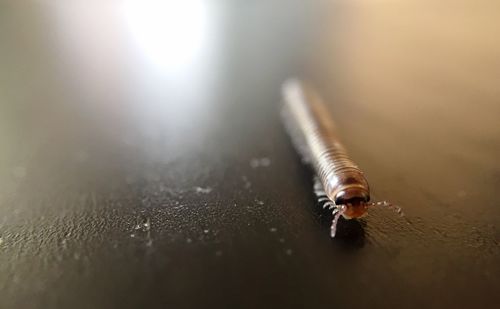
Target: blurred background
{"type": "Point", "coordinates": [143, 161]}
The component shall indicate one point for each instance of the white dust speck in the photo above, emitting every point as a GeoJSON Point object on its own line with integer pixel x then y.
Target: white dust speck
{"type": "Point", "coordinates": [64, 244]}
{"type": "Point", "coordinates": [203, 190]}
{"type": "Point", "coordinates": [144, 225]}
{"type": "Point", "coordinates": [142, 230]}
{"type": "Point", "coordinates": [246, 182]}
{"type": "Point", "coordinates": [189, 240]}
{"type": "Point", "coordinates": [19, 172]}
{"type": "Point", "coordinates": [218, 253]}
{"type": "Point", "coordinates": [147, 225]}
{"type": "Point", "coordinates": [265, 162]}
{"type": "Point", "coordinates": [254, 163]}
{"type": "Point", "coordinates": [273, 230]}
{"type": "Point", "coordinates": [259, 202]}
{"type": "Point", "coordinates": [206, 231]}
{"type": "Point", "coordinates": [288, 251]}
{"type": "Point", "coordinates": [260, 162]}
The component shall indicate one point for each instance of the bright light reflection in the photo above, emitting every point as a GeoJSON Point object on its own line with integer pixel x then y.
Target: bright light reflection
{"type": "Point", "coordinates": [171, 34]}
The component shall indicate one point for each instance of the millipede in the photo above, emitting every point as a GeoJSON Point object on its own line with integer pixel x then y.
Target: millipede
{"type": "Point", "coordinates": [339, 184]}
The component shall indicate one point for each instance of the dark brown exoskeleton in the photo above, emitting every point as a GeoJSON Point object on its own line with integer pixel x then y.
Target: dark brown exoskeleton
{"type": "Point", "coordinates": [340, 182]}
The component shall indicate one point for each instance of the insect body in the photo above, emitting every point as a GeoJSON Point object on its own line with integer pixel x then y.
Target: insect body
{"type": "Point", "coordinates": [339, 179]}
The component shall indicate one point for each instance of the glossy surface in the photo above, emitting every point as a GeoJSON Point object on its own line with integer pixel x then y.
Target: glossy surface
{"type": "Point", "coordinates": [143, 162]}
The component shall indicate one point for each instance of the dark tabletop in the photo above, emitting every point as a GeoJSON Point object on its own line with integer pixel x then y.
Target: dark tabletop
{"type": "Point", "coordinates": [143, 162]}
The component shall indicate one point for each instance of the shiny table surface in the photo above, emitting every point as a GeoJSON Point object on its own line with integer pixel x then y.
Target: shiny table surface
{"type": "Point", "coordinates": [143, 162]}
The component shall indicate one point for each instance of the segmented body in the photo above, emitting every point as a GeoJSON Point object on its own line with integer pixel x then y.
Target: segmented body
{"type": "Point", "coordinates": [313, 131]}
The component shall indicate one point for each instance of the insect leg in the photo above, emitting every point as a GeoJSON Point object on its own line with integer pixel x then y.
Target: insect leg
{"type": "Point", "coordinates": [391, 206]}
{"type": "Point", "coordinates": [337, 213]}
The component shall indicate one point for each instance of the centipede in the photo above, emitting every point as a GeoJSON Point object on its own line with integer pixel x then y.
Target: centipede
{"type": "Point", "coordinates": [339, 184]}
